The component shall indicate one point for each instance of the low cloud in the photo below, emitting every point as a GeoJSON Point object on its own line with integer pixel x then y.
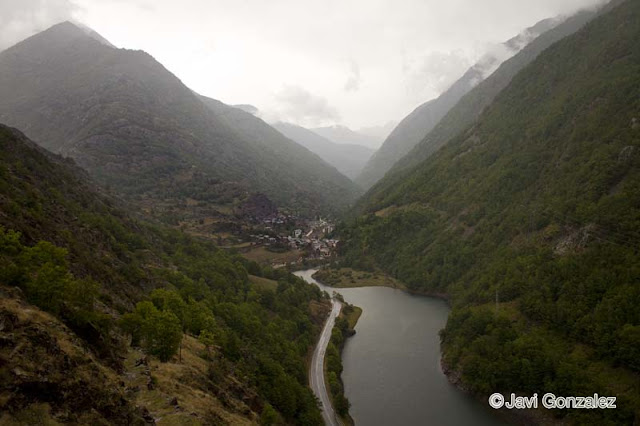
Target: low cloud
{"type": "Point", "coordinates": [23, 18]}
{"type": "Point", "coordinates": [499, 53]}
{"type": "Point", "coordinates": [354, 79]}
{"type": "Point", "coordinates": [433, 74]}
{"type": "Point", "coordinates": [296, 104]}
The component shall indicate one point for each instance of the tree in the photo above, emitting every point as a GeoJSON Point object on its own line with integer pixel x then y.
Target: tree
{"type": "Point", "coordinates": [162, 334]}
{"type": "Point", "coordinates": [269, 416]}
{"type": "Point", "coordinates": [168, 300]}
{"type": "Point", "coordinates": [206, 338]}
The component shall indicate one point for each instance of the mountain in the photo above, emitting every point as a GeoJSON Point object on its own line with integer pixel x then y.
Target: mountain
{"type": "Point", "coordinates": [413, 128]}
{"type": "Point", "coordinates": [247, 108]}
{"type": "Point", "coordinates": [136, 127]}
{"type": "Point", "coordinates": [528, 221]}
{"type": "Point", "coordinates": [469, 106]}
{"type": "Point", "coordinates": [432, 123]}
{"type": "Point", "coordinates": [378, 133]}
{"type": "Point", "coordinates": [347, 158]}
{"type": "Point", "coordinates": [344, 135]}
{"type": "Point", "coordinates": [105, 319]}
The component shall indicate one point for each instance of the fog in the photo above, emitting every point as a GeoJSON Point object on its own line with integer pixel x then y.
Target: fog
{"type": "Point", "coordinates": [360, 63]}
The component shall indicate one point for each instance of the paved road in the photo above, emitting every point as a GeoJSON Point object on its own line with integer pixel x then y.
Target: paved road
{"type": "Point", "coordinates": [317, 368]}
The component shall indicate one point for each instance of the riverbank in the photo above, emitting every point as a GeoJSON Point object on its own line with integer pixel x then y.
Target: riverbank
{"type": "Point", "coordinates": [529, 417]}
{"type": "Point", "coordinates": [390, 374]}
{"type": "Point", "coordinates": [343, 329]}
{"type": "Point", "coordinates": [352, 278]}
{"type": "Point", "coordinates": [345, 278]}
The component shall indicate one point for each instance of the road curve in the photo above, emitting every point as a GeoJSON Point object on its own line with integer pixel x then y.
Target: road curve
{"type": "Point", "coordinates": [316, 374]}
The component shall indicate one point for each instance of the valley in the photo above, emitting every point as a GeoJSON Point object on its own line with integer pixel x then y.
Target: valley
{"type": "Point", "coordinates": [168, 258]}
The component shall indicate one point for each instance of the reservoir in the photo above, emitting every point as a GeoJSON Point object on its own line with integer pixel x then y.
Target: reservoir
{"type": "Point", "coordinates": [392, 373]}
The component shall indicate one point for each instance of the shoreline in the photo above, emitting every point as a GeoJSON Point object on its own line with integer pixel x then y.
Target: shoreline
{"type": "Point", "coordinates": [514, 417]}
{"type": "Point", "coordinates": [352, 320]}
{"type": "Point", "coordinates": [436, 295]}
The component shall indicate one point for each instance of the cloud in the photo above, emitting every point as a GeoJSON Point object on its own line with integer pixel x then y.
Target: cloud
{"type": "Point", "coordinates": [245, 51]}
{"type": "Point", "coordinates": [23, 18]}
{"type": "Point", "coordinates": [296, 104]}
{"type": "Point", "coordinates": [496, 54]}
{"type": "Point", "coordinates": [353, 82]}
{"type": "Point", "coordinates": [432, 74]}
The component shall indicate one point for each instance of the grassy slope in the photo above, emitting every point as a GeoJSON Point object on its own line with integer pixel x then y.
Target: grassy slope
{"type": "Point", "coordinates": [537, 202]}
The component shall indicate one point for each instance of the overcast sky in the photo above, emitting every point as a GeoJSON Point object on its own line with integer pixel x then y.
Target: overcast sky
{"type": "Point", "coordinates": [352, 62]}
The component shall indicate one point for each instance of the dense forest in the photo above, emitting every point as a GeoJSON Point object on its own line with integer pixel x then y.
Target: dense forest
{"type": "Point", "coordinates": [528, 220]}
{"type": "Point", "coordinates": [116, 281]}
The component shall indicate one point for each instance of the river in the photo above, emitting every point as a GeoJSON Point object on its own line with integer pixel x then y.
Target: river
{"type": "Point", "coordinates": [392, 373]}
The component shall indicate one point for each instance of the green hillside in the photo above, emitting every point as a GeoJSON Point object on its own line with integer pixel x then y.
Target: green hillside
{"type": "Point", "coordinates": [458, 117]}
{"type": "Point", "coordinates": [415, 126]}
{"type": "Point", "coordinates": [529, 220]}
{"type": "Point", "coordinates": [86, 290]}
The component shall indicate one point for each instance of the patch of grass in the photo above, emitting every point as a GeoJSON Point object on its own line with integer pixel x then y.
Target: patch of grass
{"type": "Point", "coordinates": [263, 283]}
{"type": "Point", "coordinates": [351, 278]}
{"type": "Point", "coordinates": [264, 256]}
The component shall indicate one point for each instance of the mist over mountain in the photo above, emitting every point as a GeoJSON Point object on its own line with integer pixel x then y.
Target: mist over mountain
{"type": "Point", "coordinates": [135, 126]}
{"type": "Point", "coordinates": [349, 159]}
{"type": "Point", "coordinates": [413, 128]}
{"type": "Point", "coordinates": [471, 105]}
{"type": "Point", "coordinates": [379, 133]}
{"type": "Point", "coordinates": [344, 135]}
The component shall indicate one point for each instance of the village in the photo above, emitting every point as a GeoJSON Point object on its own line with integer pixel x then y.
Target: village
{"type": "Point", "coordinates": [309, 239]}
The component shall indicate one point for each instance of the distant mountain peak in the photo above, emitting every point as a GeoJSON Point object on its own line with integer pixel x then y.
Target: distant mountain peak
{"type": "Point", "coordinates": [92, 33]}
{"type": "Point", "coordinates": [64, 33]}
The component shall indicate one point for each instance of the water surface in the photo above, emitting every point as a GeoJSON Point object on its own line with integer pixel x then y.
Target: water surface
{"type": "Point", "coordinates": [392, 373]}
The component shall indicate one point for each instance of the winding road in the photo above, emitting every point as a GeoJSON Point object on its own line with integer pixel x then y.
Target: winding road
{"type": "Point", "coordinates": [316, 375]}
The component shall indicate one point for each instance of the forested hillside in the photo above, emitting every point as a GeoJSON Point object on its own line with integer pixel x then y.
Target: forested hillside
{"type": "Point", "coordinates": [108, 319]}
{"type": "Point", "coordinates": [415, 126]}
{"type": "Point", "coordinates": [528, 219]}
{"type": "Point", "coordinates": [470, 106]}
{"type": "Point", "coordinates": [136, 127]}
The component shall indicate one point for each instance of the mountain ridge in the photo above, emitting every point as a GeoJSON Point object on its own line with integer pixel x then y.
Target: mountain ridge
{"type": "Point", "coordinates": [349, 159]}
{"type": "Point", "coordinates": [415, 126]}
{"type": "Point", "coordinates": [471, 105]}
{"type": "Point", "coordinates": [135, 126]}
